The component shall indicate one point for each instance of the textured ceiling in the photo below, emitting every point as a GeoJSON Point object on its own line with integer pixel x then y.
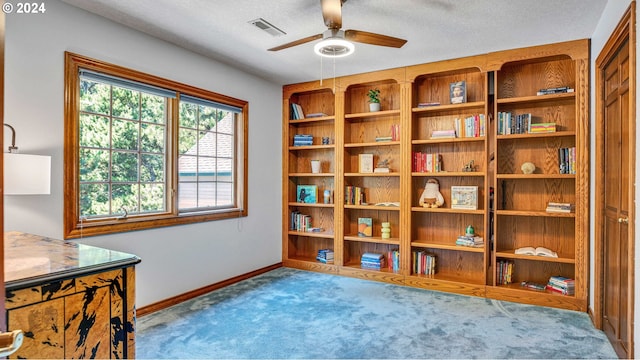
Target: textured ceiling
{"type": "Point", "coordinates": [435, 29]}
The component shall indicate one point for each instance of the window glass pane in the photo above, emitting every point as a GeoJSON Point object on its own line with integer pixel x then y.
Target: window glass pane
{"type": "Point", "coordinates": [187, 195]}
{"type": "Point", "coordinates": [125, 135]}
{"type": "Point", "coordinates": [152, 168]}
{"type": "Point", "coordinates": [94, 165]}
{"type": "Point", "coordinates": [94, 199]}
{"type": "Point", "coordinates": [153, 108]}
{"type": "Point", "coordinates": [224, 194]}
{"type": "Point", "coordinates": [225, 125]}
{"type": "Point", "coordinates": [225, 146]}
{"type": "Point", "coordinates": [206, 169]}
{"type": "Point", "coordinates": [188, 115]}
{"type": "Point", "coordinates": [208, 118]}
{"type": "Point", "coordinates": [124, 196]}
{"type": "Point", "coordinates": [152, 197]}
{"type": "Point", "coordinates": [94, 131]}
{"type": "Point", "coordinates": [124, 167]}
{"type": "Point", "coordinates": [95, 97]}
{"type": "Point", "coordinates": [126, 103]}
{"type": "Point", "coordinates": [207, 144]}
{"type": "Point", "coordinates": [152, 138]}
{"type": "Point", "coordinates": [187, 168]}
{"type": "Point", "coordinates": [206, 194]}
{"type": "Point", "coordinates": [187, 142]}
{"type": "Point", "coordinates": [225, 170]}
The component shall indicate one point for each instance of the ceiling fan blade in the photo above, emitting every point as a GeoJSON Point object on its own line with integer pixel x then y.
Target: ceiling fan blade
{"type": "Point", "coordinates": [373, 39]}
{"type": "Point", "coordinates": [332, 13]}
{"type": "Point", "coordinates": [297, 42]}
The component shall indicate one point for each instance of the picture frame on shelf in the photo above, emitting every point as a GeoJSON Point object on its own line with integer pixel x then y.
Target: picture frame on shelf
{"type": "Point", "coordinates": [464, 197]}
{"type": "Point", "coordinates": [458, 92]}
{"type": "Point", "coordinates": [365, 227]}
{"type": "Point", "coordinates": [307, 194]}
{"type": "Point", "coordinates": [365, 163]}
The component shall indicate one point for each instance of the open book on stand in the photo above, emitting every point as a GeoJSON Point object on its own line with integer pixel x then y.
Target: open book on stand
{"type": "Point", "coordinates": [538, 251]}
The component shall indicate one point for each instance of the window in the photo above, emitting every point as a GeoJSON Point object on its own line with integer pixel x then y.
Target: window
{"type": "Point", "coordinates": [143, 152]}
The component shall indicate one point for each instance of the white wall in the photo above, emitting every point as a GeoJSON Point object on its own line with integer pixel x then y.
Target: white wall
{"type": "Point", "coordinates": [175, 259]}
{"type": "Point", "coordinates": [611, 16]}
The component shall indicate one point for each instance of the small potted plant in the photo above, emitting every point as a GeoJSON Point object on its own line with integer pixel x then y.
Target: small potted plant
{"type": "Point", "coordinates": [374, 99]}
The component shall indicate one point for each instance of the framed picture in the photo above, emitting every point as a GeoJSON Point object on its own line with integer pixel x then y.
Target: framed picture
{"type": "Point", "coordinates": [464, 197]}
{"type": "Point", "coordinates": [307, 194]}
{"type": "Point", "coordinates": [458, 92]}
{"type": "Point", "coordinates": [365, 227]}
{"type": "Point", "coordinates": [365, 163]}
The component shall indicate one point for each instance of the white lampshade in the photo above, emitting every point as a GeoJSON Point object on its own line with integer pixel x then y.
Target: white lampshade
{"type": "Point", "coordinates": [27, 174]}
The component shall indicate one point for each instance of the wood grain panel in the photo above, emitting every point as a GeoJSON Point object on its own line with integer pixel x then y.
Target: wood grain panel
{"type": "Point", "coordinates": [87, 330]}
{"type": "Point", "coordinates": [43, 326]}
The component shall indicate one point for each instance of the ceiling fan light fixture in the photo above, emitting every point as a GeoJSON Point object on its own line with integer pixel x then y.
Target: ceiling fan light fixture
{"type": "Point", "coordinates": [334, 47]}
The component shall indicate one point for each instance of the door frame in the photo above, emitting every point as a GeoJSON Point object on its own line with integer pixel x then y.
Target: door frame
{"type": "Point", "coordinates": [626, 30]}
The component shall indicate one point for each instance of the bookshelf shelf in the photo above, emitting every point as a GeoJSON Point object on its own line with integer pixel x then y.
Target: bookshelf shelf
{"type": "Point", "coordinates": [510, 204]}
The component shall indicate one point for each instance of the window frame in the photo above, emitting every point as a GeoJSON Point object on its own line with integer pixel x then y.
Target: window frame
{"type": "Point", "coordinates": [74, 226]}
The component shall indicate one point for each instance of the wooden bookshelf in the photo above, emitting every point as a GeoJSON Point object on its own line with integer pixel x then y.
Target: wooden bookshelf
{"type": "Point", "coordinates": [515, 216]}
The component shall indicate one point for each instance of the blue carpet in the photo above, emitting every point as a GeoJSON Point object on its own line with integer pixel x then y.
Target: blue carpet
{"type": "Point", "coordinates": [292, 314]}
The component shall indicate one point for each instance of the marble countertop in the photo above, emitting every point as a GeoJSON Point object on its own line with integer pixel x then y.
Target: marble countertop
{"type": "Point", "coordinates": [32, 259]}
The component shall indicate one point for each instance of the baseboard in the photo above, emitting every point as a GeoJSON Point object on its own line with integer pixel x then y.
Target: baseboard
{"type": "Point", "coordinates": [148, 309]}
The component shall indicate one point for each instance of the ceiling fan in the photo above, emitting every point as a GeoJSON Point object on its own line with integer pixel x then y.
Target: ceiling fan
{"type": "Point", "coordinates": [335, 41]}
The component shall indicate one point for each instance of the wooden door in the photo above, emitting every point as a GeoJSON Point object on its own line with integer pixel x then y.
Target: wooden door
{"type": "Point", "coordinates": [615, 100]}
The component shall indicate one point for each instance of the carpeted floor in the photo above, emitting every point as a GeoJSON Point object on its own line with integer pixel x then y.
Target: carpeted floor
{"type": "Point", "coordinates": [294, 314]}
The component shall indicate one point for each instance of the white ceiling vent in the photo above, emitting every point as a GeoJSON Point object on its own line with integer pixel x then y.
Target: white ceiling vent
{"type": "Point", "coordinates": [264, 25]}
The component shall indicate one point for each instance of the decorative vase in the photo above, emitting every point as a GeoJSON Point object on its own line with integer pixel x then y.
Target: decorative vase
{"type": "Point", "coordinates": [374, 107]}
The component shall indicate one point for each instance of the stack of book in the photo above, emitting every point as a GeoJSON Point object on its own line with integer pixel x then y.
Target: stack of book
{"type": "Point", "coordinates": [302, 140]}
{"type": "Point", "coordinates": [372, 261]}
{"type": "Point", "coordinates": [428, 104]}
{"type": "Point", "coordinates": [567, 160]}
{"type": "Point", "coordinates": [443, 134]}
{"type": "Point", "coordinates": [562, 285]}
{"type": "Point", "coordinates": [541, 128]}
{"type": "Point", "coordinates": [393, 260]}
{"type": "Point", "coordinates": [556, 90]}
{"type": "Point", "coordinates": [470, 241]}
{"type": "Point", "coordinates": [300, 222]}
{"type": "Point", "coordinates": [325, 256]}
{"type": "Point", "coordinates": [296, 112]}
{"type": "Point", "coordinates": [559, 207]}
{"type": "Point", "coordinates": [427, 162]}
{"type": "Point", "coordinates": [504, 272]}
{"type": "Point", "coordinates": [424, 263]}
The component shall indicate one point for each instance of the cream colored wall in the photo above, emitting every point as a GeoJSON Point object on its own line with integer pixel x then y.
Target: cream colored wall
{"type": "Point", "coordinates": [612, 14]}
{"type": "Point", "coordinates": [175, 259]}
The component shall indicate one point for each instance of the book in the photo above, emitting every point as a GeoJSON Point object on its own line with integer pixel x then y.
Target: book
{"type": "Point", "coordinates": [443, 134]}
{"type": "Point", "coordinates": [538, 251]}
{"type": "Point", "coordinates": [315, 115]}
{"type": "Point", "coordinates": [458, 92]}
{"type": "Point", "coordinates": [365, 227]}
{"type": "Point", "coordinates": [388, 203]}
{"type": "Point", "coordinates": [365, 163]}
{"type": "Point", "coordinates": [559, 207]}
{"type": "Point", "coordinates": [307, 194]}
{"type": "Point", "coordinates": [464, 197]}
{"type": "Point", "coordinates": [428, 104]}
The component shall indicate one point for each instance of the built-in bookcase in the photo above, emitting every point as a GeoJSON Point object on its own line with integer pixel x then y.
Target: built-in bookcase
{"type": "Point", "coordinates": [417, 116]}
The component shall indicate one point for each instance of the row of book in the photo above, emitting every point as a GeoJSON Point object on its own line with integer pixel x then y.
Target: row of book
{"type": "Point", "coordinates": [470, 241]}
{"type": "Point", "coordinates": [302, 140]}
{"type": "Point", "coordinates": [504, 272]}
{"type": "Point", "coordinates": [567, 160]}
{"type": "Point", "coordinates": [559, 207]}
{"type": "Point", "coordinates": [471, 126]}
{"type": "Point", "coordinates": [325, 256]}
{"type": "Point", "coordinates": [296, 112]}
{"type": "Point", "coordinates": [300, 221]}
{"type": "Point", "coordinates": [427, 162]}
{"type": "Point", "coordinates": [423, 263]}
{"type": "Point", "coordinates": [562, 285]}
{"type": "Point", "coordinates": [374, 261]}
{"type": "Point", "coordinates": [556, 90]}
{"type": "Point", "coordinates": [393, 260]}
{"type": "Point", "coordinates": [354, 195]}
{"type": "Point", "coordinates": [395, 134]}
{"type": "Point", "coordinates": [521, 124]}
